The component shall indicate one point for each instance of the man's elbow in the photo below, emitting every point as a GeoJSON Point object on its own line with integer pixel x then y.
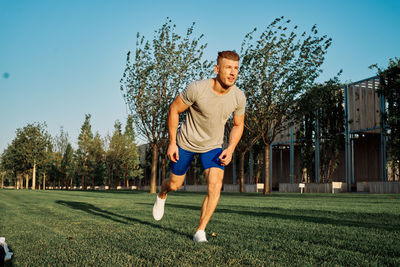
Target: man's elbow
{"type": "Point", "coordinates": [239, 123]}
{"type": "Point", "coordinates": [239, 126]}
{"type": "Point", "coordinates": [173, 110]}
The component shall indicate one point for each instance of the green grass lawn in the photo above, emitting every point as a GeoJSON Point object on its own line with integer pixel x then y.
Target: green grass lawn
{"type": "Point", "coordinates": [116, 228]}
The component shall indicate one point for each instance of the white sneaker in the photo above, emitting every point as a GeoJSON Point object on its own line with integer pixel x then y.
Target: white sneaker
{"type": "Point", "coordinates": [200, 236]}
{"type": "Point", "coordinates": [158, 208]}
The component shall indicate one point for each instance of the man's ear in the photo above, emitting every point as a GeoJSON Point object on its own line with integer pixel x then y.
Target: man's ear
{"type": "Point", "coordinates": [216, 69]}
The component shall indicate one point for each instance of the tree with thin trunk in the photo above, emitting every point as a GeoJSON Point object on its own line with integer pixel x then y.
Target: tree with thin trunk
{"type": "Point", "coordinates": [2, 175]}
{"type": "Point", "coordinates": [153, 78]}
{"type": "Point", "coordinates": [60, 144]}
{"type": "Point", "coordinates": [67, 165]}
{"type": "Point", "coordinates": [85, 140]}
{"type": "Point", "coordinates": [31, 144]}
{"type": "Point", "coordinates": [249, 138]}
{"type": "Point", "coordinates": [96, 161]}
{"type": "Point", "coordinates": [61, 141]}
{"type": "Point", "coordinates": [11, 162]}
{"type": "Point", "coordinates": [131, 166]}
{"type": "Point", "coordinates": [50, 169]}
{"type": "Point", "coordinates": [114, 155]}
{"type": "Point", "coordinates": [277, 66]}
{"type": "Point", "coordinates": [122, 155]}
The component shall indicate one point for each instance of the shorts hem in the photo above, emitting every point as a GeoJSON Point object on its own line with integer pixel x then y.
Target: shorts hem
{"type": "Point", "coordinates": [219, 167]}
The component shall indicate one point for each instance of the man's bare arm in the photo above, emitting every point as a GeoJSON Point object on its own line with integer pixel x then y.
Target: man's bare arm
{"type": "Point", "coordinates": [177, 107]}
{"type": "Point", "coordinates": [234, 138]}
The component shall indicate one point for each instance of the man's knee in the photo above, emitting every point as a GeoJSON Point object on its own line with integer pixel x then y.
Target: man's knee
{"type": "Point", "coordinates": [215, 177]}
{"type": "Point", "coordinates": [214, 187]}
{"type": "Point", "coordinates": [175, 182]}
{"type": "Point", "coordinates": [173, 187]}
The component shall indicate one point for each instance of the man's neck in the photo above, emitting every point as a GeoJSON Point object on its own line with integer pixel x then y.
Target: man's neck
{"type": "Point", "coordinates": [218, 87]}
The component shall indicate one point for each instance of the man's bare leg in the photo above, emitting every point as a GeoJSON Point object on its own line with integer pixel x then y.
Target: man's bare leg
{"type": "Point", "coordinates": [171, 184]}
{"type": "Point", "coordinates": [214, 178]}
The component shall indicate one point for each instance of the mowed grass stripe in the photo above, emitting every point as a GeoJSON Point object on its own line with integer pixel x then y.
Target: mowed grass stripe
{"type": "Point", "coordinates": [116, 228]}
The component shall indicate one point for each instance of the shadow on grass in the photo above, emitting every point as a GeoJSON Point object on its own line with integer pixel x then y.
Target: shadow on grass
{"type": "Point", "coordinates": [93, 210]}
{"type": "Point", "coordinates": [313, 216]}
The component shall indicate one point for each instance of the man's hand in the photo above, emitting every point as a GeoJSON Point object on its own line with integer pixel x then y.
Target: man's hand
{"type": "Point", "coordinates": [226, 157]}
{"type": "Point", "coordinates": [234, 138]}
{"type": "Point", "coordinates": [173, 152]}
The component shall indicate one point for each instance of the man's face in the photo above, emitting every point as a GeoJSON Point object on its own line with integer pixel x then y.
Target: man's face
{"type": "Point", "coordinates": [227, 70]}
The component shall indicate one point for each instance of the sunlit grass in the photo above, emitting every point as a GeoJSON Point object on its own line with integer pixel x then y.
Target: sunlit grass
{"type": "Point", "coordinates": [117, 228]}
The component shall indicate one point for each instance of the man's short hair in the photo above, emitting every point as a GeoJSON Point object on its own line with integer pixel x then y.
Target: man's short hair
{"type": "Point", "coordinates": [232, 55]}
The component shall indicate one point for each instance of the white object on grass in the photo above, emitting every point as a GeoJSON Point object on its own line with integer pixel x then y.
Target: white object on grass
{"type": "Point", "coordinates": [302, 186]}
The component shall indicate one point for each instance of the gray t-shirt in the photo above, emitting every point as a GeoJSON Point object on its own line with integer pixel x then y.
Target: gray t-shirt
{"type": "Point", "coordinates": [204, 127]}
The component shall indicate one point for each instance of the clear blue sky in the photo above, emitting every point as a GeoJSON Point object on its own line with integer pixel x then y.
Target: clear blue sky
{"type": "Point", "coordinates": [62, 59]}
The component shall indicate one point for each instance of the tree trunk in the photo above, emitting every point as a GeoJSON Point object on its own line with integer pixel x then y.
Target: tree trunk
{"type": "Point", "coordinates": [34, 175]}
{"type": "Point", "coordinates": [109, 178]}
{"type": "Point", "coordinates": [163, 168]}
{"type": "Point", "coordinates": [17, 181]}
{"type": "Point", "coordinates": [2, 181]}
{"type": "Point", "coordinates": [20, 181]}
{"type": "Point", "coordinates": [242, 172]}
{"type": "Point", "coordinates": [251, 166]}
{"type": "Point", "coordinates": [267, 189]}
{"type": "Point", "coordinates": [83, 176]}
{"type": "Point", "coordinates": [258, 172]}
{"type": "Point", "coordinates": [26, 181]}
{"type": "Point", "coordinates": [328, 176]}
{"type": "Point", "coordinates": [44, 180]}
{"type": "Point", "coordinates": [392, 172]}
{"type": "Point", "coordinates": [153, 180]}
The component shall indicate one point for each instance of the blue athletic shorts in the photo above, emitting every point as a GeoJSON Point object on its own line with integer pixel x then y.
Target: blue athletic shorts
{"type": "Point", "coordinates": [208, 159]}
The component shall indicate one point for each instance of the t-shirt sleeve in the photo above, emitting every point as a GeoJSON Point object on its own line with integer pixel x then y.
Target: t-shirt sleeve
{"type": "Point", "coordinates": [241, 105]}
{"type": "Point", "coordinates": [189, 95]}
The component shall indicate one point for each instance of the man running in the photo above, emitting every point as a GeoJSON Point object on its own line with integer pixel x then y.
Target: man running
{"type": "Point", "coordinates": [210, 103]}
